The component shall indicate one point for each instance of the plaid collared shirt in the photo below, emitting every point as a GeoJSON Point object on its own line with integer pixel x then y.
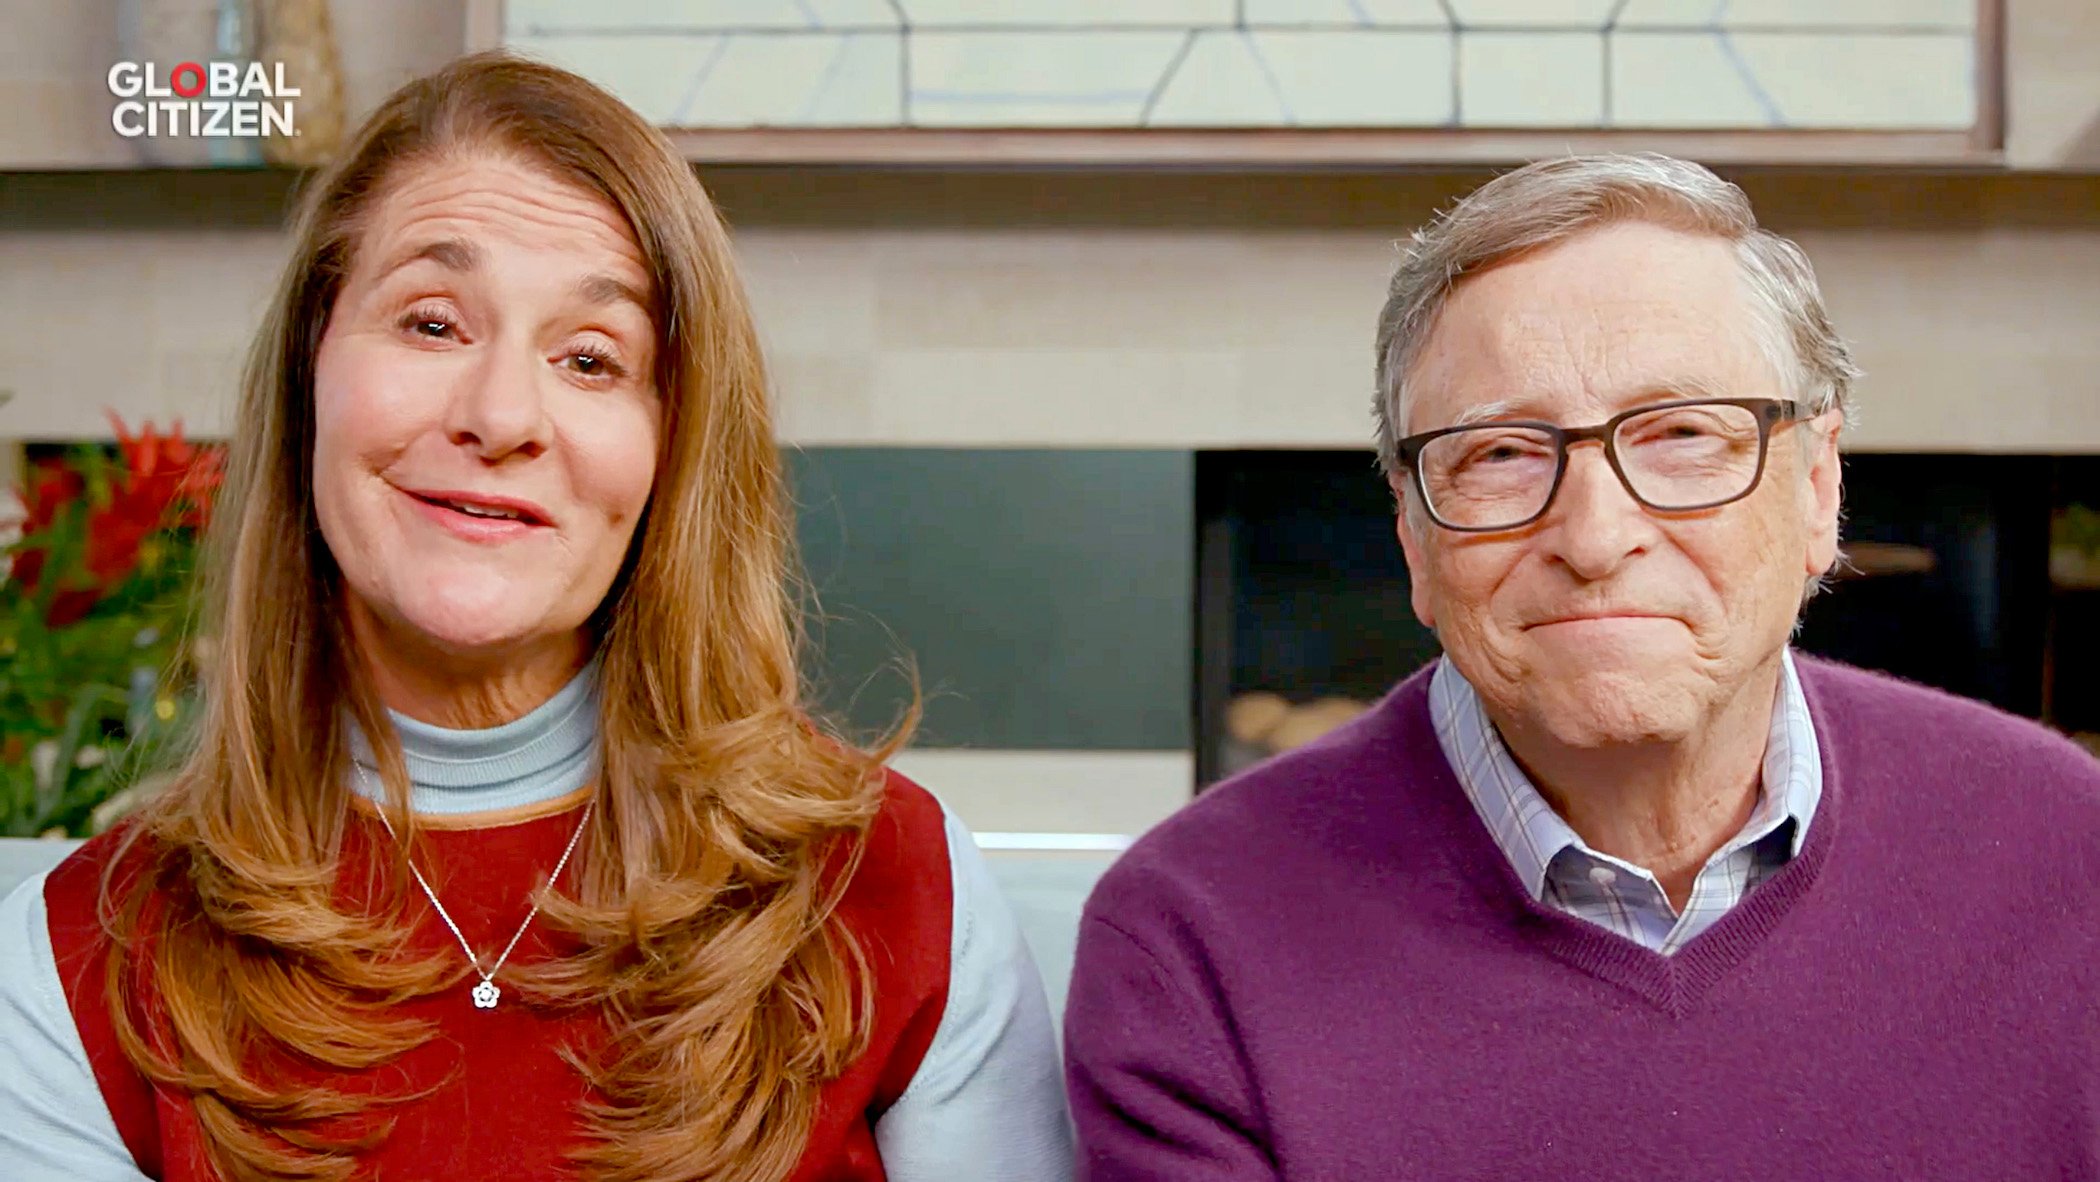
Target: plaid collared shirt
{"type": "Point", "coordinates": [1562, 871]}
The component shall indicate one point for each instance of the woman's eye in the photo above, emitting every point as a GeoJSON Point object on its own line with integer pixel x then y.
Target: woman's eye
{"type": "Point", "coordinates": [593, 364]}
{"type": "Point", "coordinates": [428, 323]}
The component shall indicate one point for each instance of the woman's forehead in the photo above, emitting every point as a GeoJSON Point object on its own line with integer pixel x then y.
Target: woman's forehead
{"type": "Point", "coordinates": [457, 211]}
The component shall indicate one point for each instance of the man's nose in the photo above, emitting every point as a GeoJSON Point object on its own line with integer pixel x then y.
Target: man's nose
{"type": "Point", "coordinates": [1595, 523]}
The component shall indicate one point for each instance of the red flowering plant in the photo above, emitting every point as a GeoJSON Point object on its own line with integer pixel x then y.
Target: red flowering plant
{"type": "Point", "coordinates": [95, 599]}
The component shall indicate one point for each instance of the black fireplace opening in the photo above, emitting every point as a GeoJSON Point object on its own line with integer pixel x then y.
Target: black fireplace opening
{"type": "Point", "coordinates": [1302, 612]}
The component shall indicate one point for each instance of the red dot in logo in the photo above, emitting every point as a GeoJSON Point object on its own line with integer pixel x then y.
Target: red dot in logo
{"type": "Point", "coordinates": [196, 83]}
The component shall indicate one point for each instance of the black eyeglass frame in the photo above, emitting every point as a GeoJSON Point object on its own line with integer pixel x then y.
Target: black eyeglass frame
{"type": "Point", "coordinates": [1770, 413]}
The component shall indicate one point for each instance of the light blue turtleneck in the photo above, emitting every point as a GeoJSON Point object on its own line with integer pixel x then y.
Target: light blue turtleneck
{"type": "Point", "coordinates": [545, 754]}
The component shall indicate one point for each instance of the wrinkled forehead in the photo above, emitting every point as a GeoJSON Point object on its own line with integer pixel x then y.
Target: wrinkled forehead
{"type": "Point", "coordinates": [1616, 316]}
{"type": "Point", "coordinates": [479, 199]}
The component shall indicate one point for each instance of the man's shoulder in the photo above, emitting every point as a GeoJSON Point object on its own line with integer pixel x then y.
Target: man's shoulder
{"type": "Point", "coordinates": [1928, 725]}
{"type": "Point", "coordinates": [1281, 822]}
{"type": "Point", "coordinates": [1984, 764]}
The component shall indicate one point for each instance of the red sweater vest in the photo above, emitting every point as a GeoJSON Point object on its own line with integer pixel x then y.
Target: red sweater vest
{"type": "Point", "coordinates": [505, 1105]}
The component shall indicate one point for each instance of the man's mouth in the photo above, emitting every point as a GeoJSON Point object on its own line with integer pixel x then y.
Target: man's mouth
{"type": "Point", "coordinates": [1591, 617]}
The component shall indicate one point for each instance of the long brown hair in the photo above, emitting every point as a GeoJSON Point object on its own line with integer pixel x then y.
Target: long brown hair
{"type": "Point", "coordinates": [726, 822]}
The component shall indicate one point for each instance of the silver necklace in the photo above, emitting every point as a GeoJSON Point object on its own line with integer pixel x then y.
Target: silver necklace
{"type": "Point", "coordinates": [486, 994]}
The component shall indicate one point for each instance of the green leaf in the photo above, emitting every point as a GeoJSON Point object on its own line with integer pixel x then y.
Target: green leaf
{"type": "Point", "coordinates": [17, 800]}
{"type": "Point", "coordinates": [90, 706]}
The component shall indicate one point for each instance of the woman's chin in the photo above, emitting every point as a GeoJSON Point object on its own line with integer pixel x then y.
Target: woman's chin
{"type": "Point", "coordinates": [472, 629]}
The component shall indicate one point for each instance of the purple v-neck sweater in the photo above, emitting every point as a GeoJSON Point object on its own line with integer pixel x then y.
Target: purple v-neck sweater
{"type": "Point", "coordinates": [1325, 969]}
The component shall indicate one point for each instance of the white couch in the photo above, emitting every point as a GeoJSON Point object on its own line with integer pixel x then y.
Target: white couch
{"type": "Point", "coordinates": [1046, 887]}
{"type": "Point", "coordinates": [21, 857]}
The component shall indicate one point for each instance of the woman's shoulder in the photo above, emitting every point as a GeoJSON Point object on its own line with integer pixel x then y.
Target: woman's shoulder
{"type": "Point", "coordinates": [975, 1081]}
{"type": "Point", "coordinates": [911, 824]}
{"type": "Point", "coordinates": [903, 875]}
{"type": "Point", "coordinates": [94, 1112]}
{"type": "Point", "coordinates": [73, 891]}
{"type": "Point", "coordinates": [55, 1109]}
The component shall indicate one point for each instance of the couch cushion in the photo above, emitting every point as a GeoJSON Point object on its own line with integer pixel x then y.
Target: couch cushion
{"type": "Point", "coordinates": [21, 857]}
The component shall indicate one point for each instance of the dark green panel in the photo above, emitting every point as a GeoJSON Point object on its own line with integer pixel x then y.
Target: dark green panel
{"type": "Point", "coordinates": [1045, 595]}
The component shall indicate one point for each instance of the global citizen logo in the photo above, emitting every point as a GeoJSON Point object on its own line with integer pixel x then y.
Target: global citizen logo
{"type": "Point", "coordinates": [226, 100]}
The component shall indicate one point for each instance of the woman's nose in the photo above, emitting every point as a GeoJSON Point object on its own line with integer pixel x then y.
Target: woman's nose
{"type": "Point", "coordinates": [498, 406]}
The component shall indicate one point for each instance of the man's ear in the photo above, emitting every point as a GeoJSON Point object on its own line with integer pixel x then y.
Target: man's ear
{"type": "Point", "coordinates": [1825, 491]}
{"type": "Point", "coordinates": [1405, 518]}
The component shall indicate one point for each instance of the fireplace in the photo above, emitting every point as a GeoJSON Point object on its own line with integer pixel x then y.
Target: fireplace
{"type": "Point", "coordinates": [1302, 614]}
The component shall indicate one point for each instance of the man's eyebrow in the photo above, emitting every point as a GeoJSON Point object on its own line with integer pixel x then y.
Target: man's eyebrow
{"type": "Point", "coordinates": [1680, 387]}
{"type": "Point", "coordinates": [1668, 390]}
{"type": "Point", "coordinates": [1482, 412]}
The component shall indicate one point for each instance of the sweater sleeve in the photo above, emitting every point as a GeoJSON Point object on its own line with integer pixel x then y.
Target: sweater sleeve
{"type": "Point", "coordinates": [986, 1102]}
{"type": "Point", "coordinates": [54, 1126]}
{"type": "Point", "coordinates": [1159, 1092]}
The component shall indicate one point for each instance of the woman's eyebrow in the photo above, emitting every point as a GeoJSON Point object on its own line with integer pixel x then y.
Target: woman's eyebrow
{"type": "Point", "coordinates": [601, 289]}
{"type": "Point", "coordinates": [458, 254]}
{"type": "Point", "coordinates": [453, 254]}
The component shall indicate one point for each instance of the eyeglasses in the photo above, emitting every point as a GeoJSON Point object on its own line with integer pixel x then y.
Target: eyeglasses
{"type": "Point", "coordinates": [1673, 457]}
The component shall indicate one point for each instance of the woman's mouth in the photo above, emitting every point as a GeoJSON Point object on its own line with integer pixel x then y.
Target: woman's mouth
{"type": "Point", "coordinates": [478, 516]}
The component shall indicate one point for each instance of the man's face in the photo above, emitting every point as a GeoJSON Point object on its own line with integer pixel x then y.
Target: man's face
{"type": "Point", "coordinates": [1604, 622]}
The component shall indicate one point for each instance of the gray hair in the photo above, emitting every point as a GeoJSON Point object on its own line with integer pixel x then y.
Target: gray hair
{"type": "Point", "coordinates": [1553, 200]}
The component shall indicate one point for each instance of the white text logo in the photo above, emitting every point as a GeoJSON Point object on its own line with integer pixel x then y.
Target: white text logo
{"type": "Point", "coordinates": [232, 100]}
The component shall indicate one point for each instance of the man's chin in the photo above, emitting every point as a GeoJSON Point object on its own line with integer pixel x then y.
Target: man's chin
{"type": "Point", "coordinates": [1606, 707]}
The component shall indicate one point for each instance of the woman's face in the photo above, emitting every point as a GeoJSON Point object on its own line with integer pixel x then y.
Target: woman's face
{"type": "Point", "coordinates": [486, 414]}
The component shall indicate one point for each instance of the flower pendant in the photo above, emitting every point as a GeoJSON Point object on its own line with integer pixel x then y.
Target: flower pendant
{"type": "Point", "coordinates": [485, 995]}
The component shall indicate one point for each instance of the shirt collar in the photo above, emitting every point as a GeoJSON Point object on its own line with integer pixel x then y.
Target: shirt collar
{"type": "Point", "coordinates": [1531, 835]}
